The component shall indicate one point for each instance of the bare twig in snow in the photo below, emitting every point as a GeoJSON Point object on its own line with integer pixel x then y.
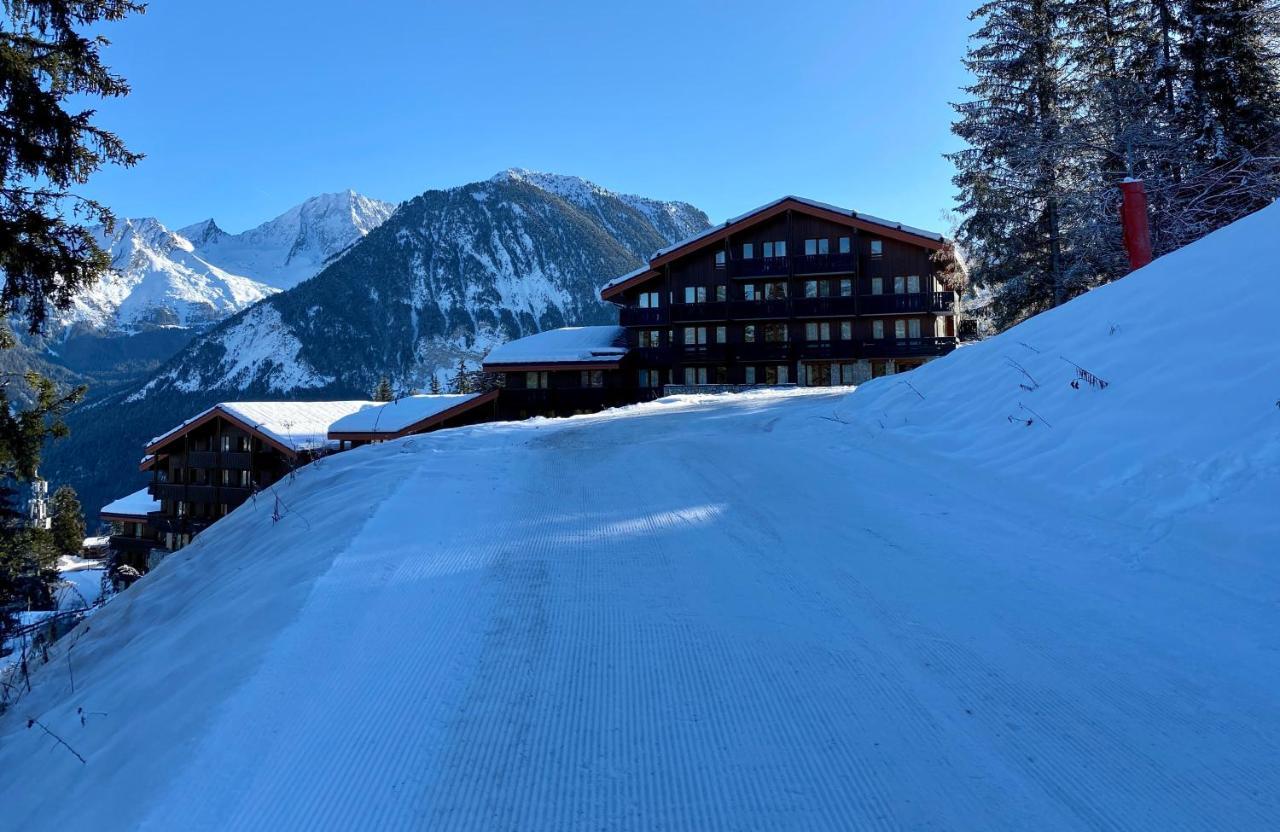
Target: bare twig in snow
{"type": "Point", "coordinates": [33, 721]}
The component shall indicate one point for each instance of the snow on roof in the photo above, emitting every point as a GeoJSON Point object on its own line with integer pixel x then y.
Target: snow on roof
{"type": "Point", "coordinates": [395, 416]}
{"type": "Point", "coordinates": [296, 425]}
{"type": "Point", "coordinates": [136, 504]}
{"type": "Point", "coordinates": [919, 232]}
{"type": "Point", "coordinates": [568, 345]}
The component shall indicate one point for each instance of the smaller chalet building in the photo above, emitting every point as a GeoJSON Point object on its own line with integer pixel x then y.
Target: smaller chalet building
{"type": "Point", "coordinates": [137, 538]}
{"type": "Point", "coordinates": [563, 372]}
{"type": "Point", "coordinates": [412, 415]}
{"type": "Point", "coordinates": [210, 464]}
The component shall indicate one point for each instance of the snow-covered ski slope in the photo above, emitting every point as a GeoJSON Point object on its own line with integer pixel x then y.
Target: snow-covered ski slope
{"type": "Point", "coordinates": [890, 609]}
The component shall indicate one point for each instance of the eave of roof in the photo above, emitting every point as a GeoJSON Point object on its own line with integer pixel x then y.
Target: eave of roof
{"type": "Point", "coordinates": [209, 415]}
{"type": "Point", "coordinates": [864, 222]}
{"type": "Point", "coordinates": [552, 365]}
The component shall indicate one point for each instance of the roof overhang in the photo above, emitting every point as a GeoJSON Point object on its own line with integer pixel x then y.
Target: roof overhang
{"type": "Point", "coordinates": [216, 412]}
{"type": "Point", "coordinates": [550, 366]}
{"type": "Point", "coordinates": [420, 425]}
{"type": "Point", "coordinates": [766, 212]}
{"type": "Point", "coordinates": [122, 517]}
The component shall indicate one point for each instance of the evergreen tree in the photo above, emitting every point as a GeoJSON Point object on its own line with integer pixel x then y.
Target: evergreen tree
{"type": "Point", "coordinates": [67, 521]}
{"type": "Point", "coordinates": [462, 380]}
{"type": "Point", "coordinates": [1016, 177]}
{"type": "Point", "coordinates": [383, 392]}
{"type": "Point", "coordinates": [434, 388]}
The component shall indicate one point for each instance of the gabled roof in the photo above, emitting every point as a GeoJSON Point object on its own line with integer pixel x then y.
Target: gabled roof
{"type": "Point", "coordinates": [133, 507]}
{"type": "Point", "coordinates": [289, 427]}
{"type": "Point", "coordinates": [567, 348]}
{"type": "Point", "coordinates": [865, 222]}
{"type": "Point", "coordinates": [403, 417]}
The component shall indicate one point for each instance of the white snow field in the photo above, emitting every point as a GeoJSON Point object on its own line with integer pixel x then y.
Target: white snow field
{"type": "Point", "coordinates": [809, 610]}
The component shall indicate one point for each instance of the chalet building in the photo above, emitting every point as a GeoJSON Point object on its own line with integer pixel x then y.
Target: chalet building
{"type": "Point", "coordinates": [563, 372]}
{"type": "Point", "coordinates": [794, 292]}
{"type": "Point", "coordinates": [137, 540]}
{"type": "Point", "coordinates": [205, 467]}
{"type": "Point", "coordinates": [413, 415]}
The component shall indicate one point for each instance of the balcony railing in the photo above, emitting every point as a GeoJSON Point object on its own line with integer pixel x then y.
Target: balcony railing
{"type": "Point", "coordinates": [823, 263]}
{"type": "Point", "coordinates": [635, 316]}
{"type": "Point", "coordinates": [703, 352]}
{"type": "Point", "coordinates": [935, 302]}
{"type": "Point", "coordinates": [760, 267]}
{"type": "Point", "coordinates": [906, 347]}
{"type": "Point", "coordinates": [748, 310]}
{"type": "Point", "coordinates": [762, 351]}
{"type": "Point", "coordinates": [708, 311]}
{"type": "Point", "coordinates": [651, 355]}
{"type": "Point", "coordinates": [824, 307]}
{"type": "Point", "coordinates": [827, 349]}
{"type": "Point", "coordinates": [125, 543]}
{"type": "Point", "coordinates": [202, 459]}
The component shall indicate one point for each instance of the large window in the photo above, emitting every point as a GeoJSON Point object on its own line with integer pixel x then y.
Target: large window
{"type": "Point", "coordinates": [720, 335]}
{"type": "Point", "coordinates": [913, 328]}
{"type": "Point", "coordinates": [775, 333]}
{"type": "Point", "coordinates": [899, 285]}
{"type": "Point", "coordinates": [844, 245]}
{"type": "Point", "coordinates": [817, 331]}
{"type": "Point", "coordinates": [775, 291]}
{"type": "Point", "coordinates": [592, 378]}
{"type": "Point", "coordinates": [776, 374]}
{"type": "Point", "coordinates": [900, 328]}
{"type": "Point", "coordinates": [695, 375]}
{"type": "Point", "coordinates": [749, 334]}
{"type": "Point", "coordinates": [648, 300]}
{"type": "Point", "coordinates": [846, 287]}
{"type": "Point", "coordinates": [720, 256]}
{"type": "Point", "coordinates": [649, 338]}
{"type": "Point", "coordinates": [748, 251]}
{"type": "Point", "coordinates": [751, 291]}
{"type": "Point", "coordinates": [535, 381]}
{"type": "Point", "coordinates": [877, 328]}
{"type": "Point", "coordinates": [749, 375]}
{"type": "Point", "coordinates": [877, 248]}
{"type": "Point", "coordinates": [877, 285]}
{"type": "Point", "coordinates": [695, 336]}
{"type": "Point", "coordinates": [649, 379]}
{"type": "Point", "coordinates": [913, 283]}
{"type": "Point", "coordinates": [846, 330]}
{"type": "Point", "coordinates": [775, 248]}
{"type": "Point", "coordinates": [695, 294]}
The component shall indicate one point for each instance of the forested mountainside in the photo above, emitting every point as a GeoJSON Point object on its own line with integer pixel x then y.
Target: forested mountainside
{"type": "Point", "coordinates": [450, 274]}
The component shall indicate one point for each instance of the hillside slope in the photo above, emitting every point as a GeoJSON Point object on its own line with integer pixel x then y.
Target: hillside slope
{"type": "Point", "coordinates": [885, 609]}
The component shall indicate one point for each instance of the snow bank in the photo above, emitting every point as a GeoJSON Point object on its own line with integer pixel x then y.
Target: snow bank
{"type": "Point", "coordinates": [568, 345]}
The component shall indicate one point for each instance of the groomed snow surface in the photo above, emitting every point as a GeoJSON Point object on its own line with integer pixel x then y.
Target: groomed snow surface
{"type": "Point", "coordinates": [888, 609]}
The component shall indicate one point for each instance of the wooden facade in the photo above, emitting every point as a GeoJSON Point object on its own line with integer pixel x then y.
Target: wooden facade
{"type": "Point", "coordinates": [794, 293]}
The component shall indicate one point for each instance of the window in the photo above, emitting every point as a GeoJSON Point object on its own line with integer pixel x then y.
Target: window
{"type": "Point", "coordinates": [877, 285]}
{"type": "Point", "coordinates": [720, 335]}
{"type": "Point", "coordinates": [721, 375]}
{"type": "Point", "coordinates": [913, 328]}
{"type": "Point", "coordinates": [811, 288]}
{"type": "Point", "coordinates": [913, 283]}
{"type": "Point", "coordinates": [749, 334]}
{"type": "Point", "coordinates": [722, 293]}
{"type": "Point", "coordinates": [749, 375]}
{"type": "Point", "coordinates": [817, 331]}
{"type": "Point", "coordinates": [900, 328]}
{"type": "Point", "coordinates": [695, 375]}
{"type": "Point", "coordinates": [648, 300]}
{"type": "Point", "coordinates": [824, 245]}
{"type": "Point", "coordinates": [775, 333]}
{"type": "Point", "coordinates": [776, 374]}
{"type": "Point", "coordinates": [720, 259]}
{"type": "Point", "coordinates": [899, 285]}
{"type": "Point", "coordinates": [535, 380]}
{"type": "Point", "coordinates": [751, 292]}
{"type": "Point", "coordinates": [810, 247]}
{"type": "Point", "coordinates": [877, 329]}
{"type": "Point", "coordinates": [182, 508]}
{"type": "Point", "coordinates": [649, 338]}
{"type": "Point", "coordinates": [649, 378]}
{"type": "Point", "coordinates": [775, 291]}
{"type": "Point", "coordinates": [226, 443]}
{"type": "Point", "coordinates": [877, 248]}
{"type": "Point", "coordinates": [846, 287]}
{"type": "Point", "coordinates": [592, 378]}
{"type": "Point", "coordinates": [695, 336]}
{"type": "Point", "coordinates": [844, 245]}
{"type": "Point", "coordinates": [748, 251]}
{"type": "Point", "coordinates": [846, 330]}
{"type": "Point", "coordinates": [768, 250]}
{"type": "Point", "coordinates": [780, 248]}
{"type": "Point", "coordinates": [695, 294]}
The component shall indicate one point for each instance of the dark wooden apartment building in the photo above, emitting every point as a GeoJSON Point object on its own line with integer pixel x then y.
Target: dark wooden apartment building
{"type": "Point", "coordinates": [794, 292]}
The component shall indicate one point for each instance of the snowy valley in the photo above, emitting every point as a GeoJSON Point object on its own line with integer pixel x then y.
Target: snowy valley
{"type": "Point", "coordinates": [1030, 585]}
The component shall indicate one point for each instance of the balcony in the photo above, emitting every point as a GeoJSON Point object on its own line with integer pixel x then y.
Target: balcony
{"type": "Point", "coordinates": [914, 302]}
{"type": "Point", "coordinates": [824, 307]}
{"type": "Point", "coordinates": [906, 347]}
{"type": "Point", "coordinates": [168, 490]}
{"type": "Point", "coordinates": [635, 316]}
{"type": "Point", "coordinates": [125, 543]}
{"type": "Point", "coordinates": [823, 264]}
{"type": "Point", "coordinates": [651, 355]}
{"type": "Point", "coordinates": [236, 460]}
{"type": "Point", "coordinates": [703, 352]}
{"type": "Point", "coordinates": [760, 267]}
{"type": "Point", "coordinates": [827, 349]}
{"type": "Point", "coordinates": [709, 311]}
{"type": "Point", "coordinates": [762, 351]}
{"type": "Point", "coordinates": [202, 459]}
{"type": "Point", "coordinates": [751, 310]}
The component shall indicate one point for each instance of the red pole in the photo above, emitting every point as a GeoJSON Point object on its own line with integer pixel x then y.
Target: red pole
{"type": "Point", "coordinates": [1133, 216]}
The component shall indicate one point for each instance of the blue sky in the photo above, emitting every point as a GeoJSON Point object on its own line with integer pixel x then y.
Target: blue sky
{"type": "Point", "coordinates": [245, 109]}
